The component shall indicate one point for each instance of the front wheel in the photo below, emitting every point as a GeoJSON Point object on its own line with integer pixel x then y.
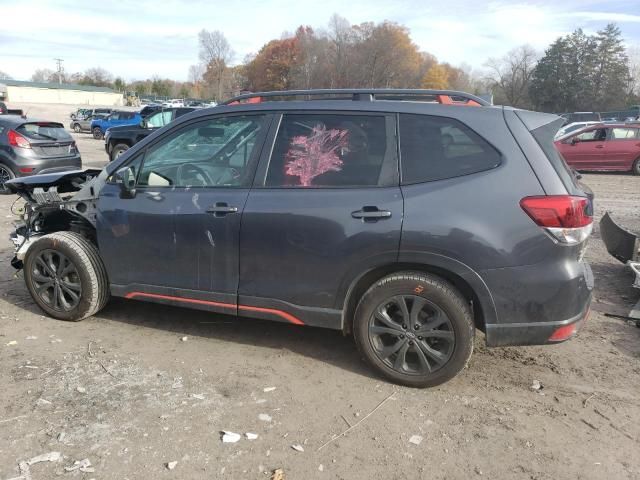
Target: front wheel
{"type": "Point", "coordinates": [5, 174]}
{"type": "Point", "coordinates": [76, 128]}
{"type": "Point", "coordinates": [415, 329]}
{"type": "Point", "coordinates": [636, 167]}
{"type": "Point", "coordinates": [118, 150]}
{"type": "Point", "coordinates": [65, 276]}
{"type": "Point", "coordinates": [97, 133]}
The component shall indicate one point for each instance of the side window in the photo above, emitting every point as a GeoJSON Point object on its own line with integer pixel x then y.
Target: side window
{"type": "Point", "coordinates": [435, 148]}
{"type": "Point", "coordinates": [596, 135]}
{"type": "Point", "coordinates": [624, 133]}
{"type": "Point", "coordinates": [214, 153]}
{"type": "Point", "coordinates": [160, 119]}
{"type": "Point", "coordinates": [114, 116]}
{"type": "Point", "coordinates": [328, 150]}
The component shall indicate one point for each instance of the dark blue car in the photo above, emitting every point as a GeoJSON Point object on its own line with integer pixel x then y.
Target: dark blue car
{"type": "Point", "coordinates": [99, 126]}
{"type": "Point", "coordinates": [408, 219]}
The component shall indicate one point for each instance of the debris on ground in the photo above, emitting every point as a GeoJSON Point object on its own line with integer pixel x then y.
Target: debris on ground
{"type": "Point", "coordinates": [297, 447]}
{"type": "Point", "coordinates": [81, 390]}
{"type": "Point", "coordinates": [184, 339]}
{"type": "Point", "coordinates": [31, 337]}
{"type": "Point", "coordinates": [251, 436]}
{"type": "Point", "coordinates": [536, 386]}
{"type": "Point", "coordinates": [321, 468]}
{"type": "Point", "coordinates": [172, 465]}
{"type": "Point", "coordinates": [199, 396]}
{"type": "Point", "coordinates": [12, 342]}
{"type": "Point", "coordinates": [45, 457]}
{"type": "Point", "coordinates": [230, 437]}
{"type": "Point", "coordinates": [83, 465]}
{"type": "Point", "coordinates": [177, 383]}
{"type": "Point", "coordinates": [415, 439]}
{"type": "Point", "coordinates": [264, 417]}
{"type": "Point", "coordinates": [268, 389]}
{"type": "Point", "coordinates": [278, 474]}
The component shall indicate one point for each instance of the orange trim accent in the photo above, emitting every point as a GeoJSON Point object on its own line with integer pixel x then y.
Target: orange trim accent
{"type": "Point", "coordinates": [279, 313]}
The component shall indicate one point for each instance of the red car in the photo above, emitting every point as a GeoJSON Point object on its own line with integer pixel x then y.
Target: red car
{"type": "Point", "coordinates": [612, 147]}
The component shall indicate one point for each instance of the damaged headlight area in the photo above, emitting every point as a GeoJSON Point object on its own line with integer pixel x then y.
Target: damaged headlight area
{"type": "Point", "coordinates": [64, 201]}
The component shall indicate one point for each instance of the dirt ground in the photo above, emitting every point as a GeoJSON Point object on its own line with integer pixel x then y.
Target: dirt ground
{"type": "Point", "coordinates": [142, 385]}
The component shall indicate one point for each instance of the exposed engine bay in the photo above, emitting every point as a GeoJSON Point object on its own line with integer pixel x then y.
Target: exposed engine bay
{"type": "Point", "coordinates": [55, 202]}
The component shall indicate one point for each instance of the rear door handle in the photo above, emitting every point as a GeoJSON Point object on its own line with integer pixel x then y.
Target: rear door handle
{"type": "Point", "coordinates": [220, 209]}
{"type": "Point", "coordinates": [599, 146]}
{"type": "Point", "coordinates": [371, 214]}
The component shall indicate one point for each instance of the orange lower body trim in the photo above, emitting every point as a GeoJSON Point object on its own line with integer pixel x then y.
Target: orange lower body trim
{"type": "Point", "coordinates": [286, 316]}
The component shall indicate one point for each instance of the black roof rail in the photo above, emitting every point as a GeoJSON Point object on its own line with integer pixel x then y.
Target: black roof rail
{"type": "Point", "coordinates": [364, 94]}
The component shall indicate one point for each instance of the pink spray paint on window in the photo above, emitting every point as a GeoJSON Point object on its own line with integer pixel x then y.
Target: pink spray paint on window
{"type": "Point", "coordinates": [315, 154]}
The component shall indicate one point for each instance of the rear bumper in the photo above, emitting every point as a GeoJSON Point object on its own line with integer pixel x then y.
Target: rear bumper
{"type": "Point", "coordinates": [539, 304]}
{"type": "Point", "coordinates": [27, 166]}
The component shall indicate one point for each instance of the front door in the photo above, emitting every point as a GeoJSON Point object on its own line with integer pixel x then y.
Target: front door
{"type": "Point", "coordinates": [177, 238]}
{"type": "Point", "coordinates": [325, 208]}
{"type": "Point", "coordinates": [589, 151]}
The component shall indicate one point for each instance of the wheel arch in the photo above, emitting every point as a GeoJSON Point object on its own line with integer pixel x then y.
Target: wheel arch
{"type": "Point", "coordinates": [462, 277]}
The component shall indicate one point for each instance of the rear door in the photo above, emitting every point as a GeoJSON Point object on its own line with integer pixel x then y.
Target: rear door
{"type": "Point", "coordinates": [325, 208]}
{"type": "Point", "coordinates": [177, 239]}
{"type": "Point", "coordinates": [623, 147]}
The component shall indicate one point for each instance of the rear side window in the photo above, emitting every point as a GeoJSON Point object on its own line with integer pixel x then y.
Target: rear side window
{"type": "Point", "coordinates": [624, 133]}
{"type": "Point", "coordinates": [44, 131]}
{"type": "Point", "coordinates": [435, 148]}
{"type": "Point", "coordinates": [329, 150]}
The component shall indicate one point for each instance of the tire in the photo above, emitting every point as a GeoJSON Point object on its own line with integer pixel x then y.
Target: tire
{"type": "Point", "coordinates": [68, 263]}
{"type": "Point", "coordinates": [636, 167]}
{"type": "Point", "coordinates": [5, 174]}
{"type": "Point", "coordinates": [442, 316]}
{"type": "Point", "coordinates": [97, 133]}
{"type": "Point", "coordinates": [77, 128]}
{"type": "Point", "coordinates": [118, 150]}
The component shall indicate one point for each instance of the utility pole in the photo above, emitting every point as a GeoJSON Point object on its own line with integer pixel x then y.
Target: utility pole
{"type": "Point", "coordinates": [59, 68]}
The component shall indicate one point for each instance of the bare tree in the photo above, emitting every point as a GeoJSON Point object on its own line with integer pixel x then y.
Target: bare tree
{"type": "Point", "coordinates": [97, 76]}
{"type": "Point", "coordinates": [634, 70]}
{"type": "Point", "coordinates": [215, 54]}
{"type": "Point", "coordinates": [510, 75]}
{"type": "Point", "coordinates": [340, 37]}
{"type": "Point", "coordinates": [4, 76]}
{"type": "Point", "coordinates": [43, 75]}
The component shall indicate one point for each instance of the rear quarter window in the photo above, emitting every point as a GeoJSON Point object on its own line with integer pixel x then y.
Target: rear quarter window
{"type": "Point", "coordinates": [437, 148]}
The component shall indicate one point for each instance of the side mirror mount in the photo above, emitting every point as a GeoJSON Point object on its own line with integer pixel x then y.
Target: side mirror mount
{"type": "Point", "coordinates": [575, 140]}
{"type": "Point", "coordinates": [125, 178]}
{"type": "Point", "coordinates": [143, 123]}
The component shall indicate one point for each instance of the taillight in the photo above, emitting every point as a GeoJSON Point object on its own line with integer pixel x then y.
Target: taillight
{"type": "Point", "coordinates": [17, 140]}
{"type": "Point", "coordinates": [568, 219]}
{"type": "Point", "coordinates": [73, 148]}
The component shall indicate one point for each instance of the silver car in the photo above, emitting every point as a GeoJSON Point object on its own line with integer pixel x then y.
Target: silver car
{"type": "Point", "coordinates": [83, 124]}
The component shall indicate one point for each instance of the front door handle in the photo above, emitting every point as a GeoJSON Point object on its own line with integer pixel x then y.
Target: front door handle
{"type": "Point", "coordinates": [371, 214]}
{"type": "Point", "coordinates": [599, 146]}
{"type": "Point", "coordinates": [220, 209]}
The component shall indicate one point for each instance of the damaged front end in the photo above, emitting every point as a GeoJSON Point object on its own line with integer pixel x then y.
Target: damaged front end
{"type": "Point", "coordinates": [621, 244]}
{"type": "Point", "coordinates": [54, 202]}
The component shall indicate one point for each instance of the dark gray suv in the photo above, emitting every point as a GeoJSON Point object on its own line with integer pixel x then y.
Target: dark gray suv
{"type": "Point", "coordinates": [408, 218]}
{"type": "Point", "coordinates": [30, 147]}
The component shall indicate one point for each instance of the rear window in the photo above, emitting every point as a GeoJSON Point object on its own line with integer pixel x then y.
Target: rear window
{"type": "Point", "coordinates": [43, 131]}
{"type": "Point", "coordinates": [436, 148]}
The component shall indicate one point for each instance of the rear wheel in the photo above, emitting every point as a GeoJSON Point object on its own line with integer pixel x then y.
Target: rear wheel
{"type": "Point", "coordinates": [5, 174]}
{"type": "Point", "coordinates": [65, 276]}
{"type": "Point", "coordinates": [636, 167]}
{"type": "Point", "coordinates": [97, 133]}
{"type": "Point", "coordinates": [415, 329]}
{"type": "Point", "coordinates": [76, 128]}
{"type": "Point", "coordinates": [118, 150]}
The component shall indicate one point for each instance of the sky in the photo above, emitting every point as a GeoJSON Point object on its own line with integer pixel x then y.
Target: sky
{"type": "Point", "coordinates": [141, 38]}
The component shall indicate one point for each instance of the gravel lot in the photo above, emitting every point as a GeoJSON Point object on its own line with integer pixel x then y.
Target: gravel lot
{"type": "Point", "coordinates": [142, 385]}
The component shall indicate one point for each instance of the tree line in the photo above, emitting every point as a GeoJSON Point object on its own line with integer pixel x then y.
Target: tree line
{"type": "Point", "coordinates": [577, 72]}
